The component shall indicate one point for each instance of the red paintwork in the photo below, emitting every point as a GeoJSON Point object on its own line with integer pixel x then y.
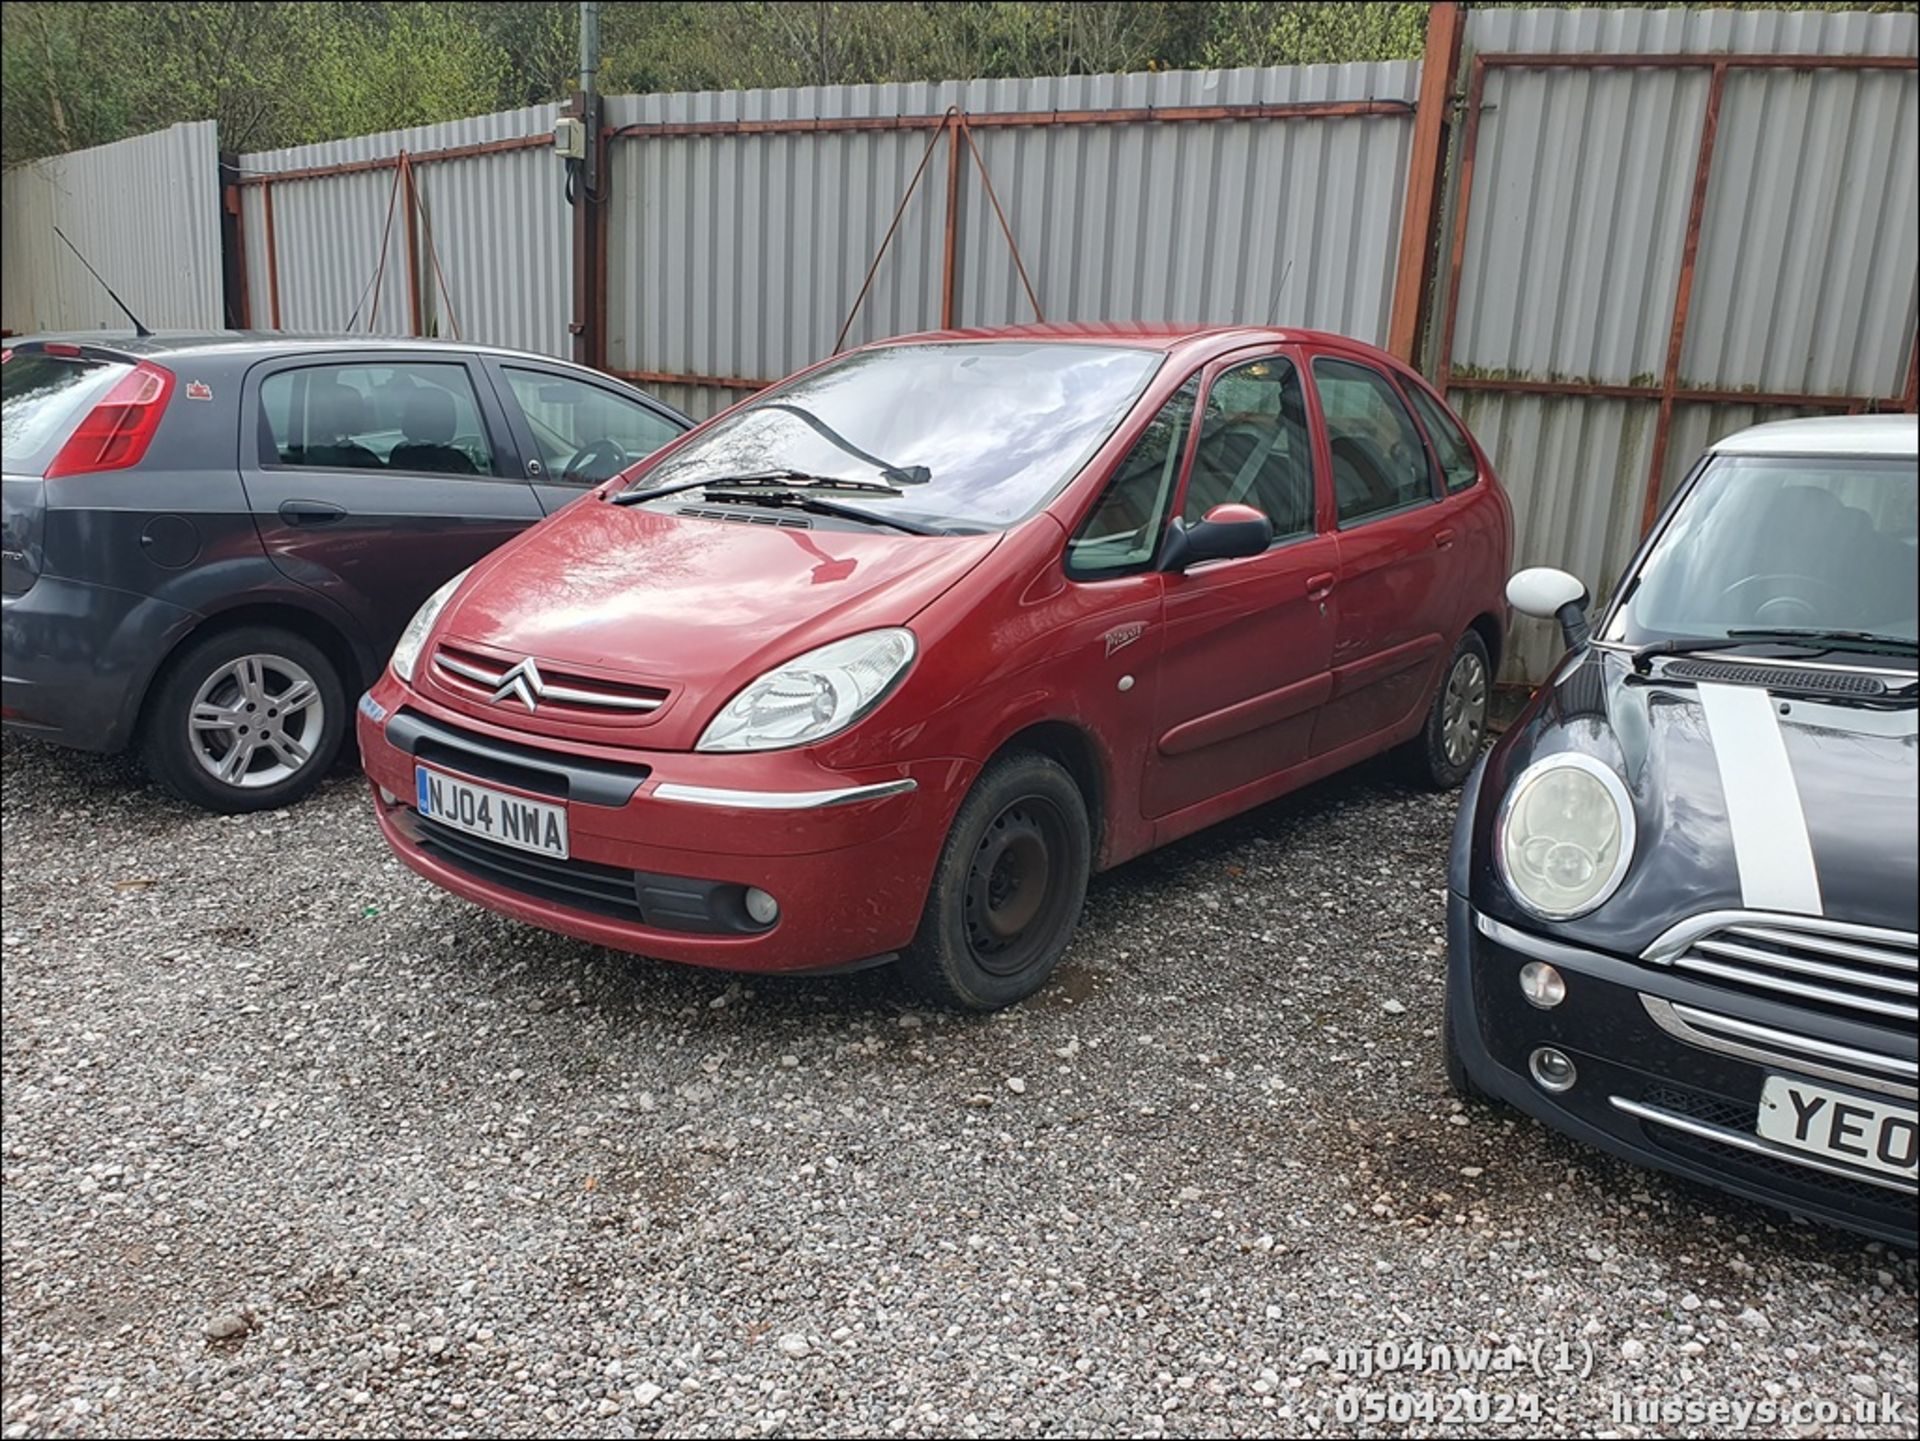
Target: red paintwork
{"type": "Point", "coordinates": [1251, 677]}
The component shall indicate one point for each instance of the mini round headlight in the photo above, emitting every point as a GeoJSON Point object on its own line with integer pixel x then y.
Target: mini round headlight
{"type": "Point", "coordinates": [1565, 836]}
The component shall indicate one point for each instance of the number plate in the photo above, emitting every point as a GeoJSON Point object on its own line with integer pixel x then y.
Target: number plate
{"type": "Point", "coordinates": [1839, 1125]}
{"type": "Point", "coordinates": [507, 820]}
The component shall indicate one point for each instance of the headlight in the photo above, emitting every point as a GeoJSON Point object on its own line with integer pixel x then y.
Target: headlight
{"type": "Point", "coordinates": [812, 696]}
{"type": "Point", "coordinates": [406, 653]}
{"type": "Point", "coordinates": [1565, 836]}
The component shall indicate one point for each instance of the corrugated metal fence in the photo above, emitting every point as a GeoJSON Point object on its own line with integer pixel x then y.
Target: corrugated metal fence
{"type": "Point", "coordinates": [1565, 341]}
{"type": "Point", "coordinates": [473, 240]}
{"type": "Point", "coordinates": [146, 214]}
{"type": "Point", "coordinates": [1611, 291]}
{"type": "Point", "coordinates": [743, 224]}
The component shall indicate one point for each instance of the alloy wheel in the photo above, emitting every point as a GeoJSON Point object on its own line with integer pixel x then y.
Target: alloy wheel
{"type": "Point", "coordinates": [255, 721]}
{"type": "Point", "coordinates": [1463, 717]}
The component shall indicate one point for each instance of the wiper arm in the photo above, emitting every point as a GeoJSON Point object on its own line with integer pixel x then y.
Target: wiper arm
{"type": "Point", "coordinates": [774, 495]}
{"type": "Point", "coordinates": [898, 474]}
{"type": "Point", "coordinates": [788, 478]}
{"type": "Point", "coordinates": [1864, 641]}
{"type": "Point", "coordinates": [1644, 656]}
{"type": "Point", "coordinates": [1813, 641]}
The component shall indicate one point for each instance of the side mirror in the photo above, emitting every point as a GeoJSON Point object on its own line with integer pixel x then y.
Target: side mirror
{"type": "Point", "coordinates": [1552, 595]}
{"type": "Point", "coordinates": [1226, 533]}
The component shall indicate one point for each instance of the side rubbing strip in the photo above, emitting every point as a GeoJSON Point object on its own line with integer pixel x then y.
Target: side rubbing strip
{"type": "Point", "coordinates": [1770, 841]}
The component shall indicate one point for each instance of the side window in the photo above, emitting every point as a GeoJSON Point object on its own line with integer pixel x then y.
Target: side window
{"type": "Point", "coordinates": [585, 434]}
{"type": "Point", "coordinates": [1254, 448]}
{"type": "Point", "coordinates": [409, 416]}
{"type": "Point", "coordinates": [1449, 441]}
{"type": "Point", "coordinates": [1379, 461]}
{"type": "Point", "coordinates": [1122, 532]}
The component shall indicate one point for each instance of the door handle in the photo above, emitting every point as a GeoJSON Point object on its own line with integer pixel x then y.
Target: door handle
{"type": "Point", "coordinates": [310, 512]}
{"type": "Point", "coordinates": [1320, 586]}
{"type": "Point", "coordinates": [1443, 539]}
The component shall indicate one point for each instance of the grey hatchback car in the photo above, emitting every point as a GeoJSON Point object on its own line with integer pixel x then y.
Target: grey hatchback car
{"type": "Point", "coordinates": [209, 543]}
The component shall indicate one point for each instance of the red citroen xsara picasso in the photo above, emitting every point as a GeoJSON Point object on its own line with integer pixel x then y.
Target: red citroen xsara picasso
{"type": "Point", "coordinates": [887, 659]}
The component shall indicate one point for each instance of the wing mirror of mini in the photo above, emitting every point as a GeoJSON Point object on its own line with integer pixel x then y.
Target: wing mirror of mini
{"type": "Point", "coordinates": [1552, 595]}
{"type": "Point", "coordinates": [1227, 532]}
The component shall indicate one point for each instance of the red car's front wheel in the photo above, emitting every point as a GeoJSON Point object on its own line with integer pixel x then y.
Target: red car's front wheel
{"type": "Point", "coordinates": [1008, 890]}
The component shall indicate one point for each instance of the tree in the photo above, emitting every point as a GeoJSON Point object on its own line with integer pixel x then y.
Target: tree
{"type": "Point", "coordinates": [286, 72]}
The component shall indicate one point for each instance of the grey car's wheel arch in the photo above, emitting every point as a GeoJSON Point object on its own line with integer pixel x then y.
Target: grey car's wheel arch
{"type": "Point", "coordinates": [351, 659]}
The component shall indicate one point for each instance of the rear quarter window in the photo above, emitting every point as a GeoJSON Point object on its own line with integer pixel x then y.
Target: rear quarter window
{"type": "Point", "coordinates": [1457, 460]}
{"type": "Point", "coordinates": [42, 398]}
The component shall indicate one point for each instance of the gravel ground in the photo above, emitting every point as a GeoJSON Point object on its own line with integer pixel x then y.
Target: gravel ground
{"type": "Point", "coordinates": [294, 1143]}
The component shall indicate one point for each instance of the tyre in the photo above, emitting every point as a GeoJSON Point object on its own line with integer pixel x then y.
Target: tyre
{"type": "Point", "coordinates": [1007, 892]}
{"type": "Point", "coordinates": [247, 720]}
{"type": "Point", "coordinates": [1449, 743]}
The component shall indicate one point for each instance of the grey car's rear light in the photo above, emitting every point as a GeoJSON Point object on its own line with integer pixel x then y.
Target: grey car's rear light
{"type": "Point", "coordinates": [115, 434]}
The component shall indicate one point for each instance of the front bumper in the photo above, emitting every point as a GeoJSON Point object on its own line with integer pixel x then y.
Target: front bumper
{"type": "Point", "coordinates": [77, 658]}
{"type": "Point", "coordinates": [1661, 1093]}
{"type": "Point", "coordinates": [849, 857]}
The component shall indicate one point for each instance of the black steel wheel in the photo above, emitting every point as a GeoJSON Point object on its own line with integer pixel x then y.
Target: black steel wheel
{"type": "Point", "coordinates": [1007, 892]}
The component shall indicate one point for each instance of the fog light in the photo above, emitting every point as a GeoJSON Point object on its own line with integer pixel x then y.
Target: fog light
{"type": "Point", "coordinates": [1540, 983]}
{"type": "Point", "coordinates": [389, 797]}
{"type": "Point", "coordinates": [1552, 1070]}
{"type": "Point", "coordinates": [764, 909]}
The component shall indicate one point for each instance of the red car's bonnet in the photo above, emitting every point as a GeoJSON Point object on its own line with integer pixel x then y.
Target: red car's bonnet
{"type": "Point", "coordinates": [697, 606]}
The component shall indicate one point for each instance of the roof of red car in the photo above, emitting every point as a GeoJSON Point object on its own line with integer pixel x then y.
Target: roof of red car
{"type": "Point", "coordinates": [1155, 335]}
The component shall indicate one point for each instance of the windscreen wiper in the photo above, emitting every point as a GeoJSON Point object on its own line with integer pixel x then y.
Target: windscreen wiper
{"type": "Point", "coordinates": [1812, 641]}
{"type": "Point", "coordinates": [1644, 656]}
{"type": "Point", "coordinates": [801, 499]}
{"type": "Point", "coordinates": [792, 479]}
{"type": "Point", "coordinates": [898, 474]}
{"type": "Point", "coordinates": [1866, 642]}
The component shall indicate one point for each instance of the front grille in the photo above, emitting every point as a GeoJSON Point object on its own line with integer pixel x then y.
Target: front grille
{"type": "Point", "coordinates": [1704, 1106]}
{"type": "Point", "coordinates": [1778, 1049]}
{"type": "Point", "coordinates": [1774, 1172]}
{"type": "Point", "coordinates": [581, 885]}
{"type": "Point", "coordinates": [1860, 972]}
{"type": "Point", "coordinates": [560, 693]}
{"type": "Point", "coordinates": [524, 767]}
{"type": "Point", "coordinates": [1800, 680]}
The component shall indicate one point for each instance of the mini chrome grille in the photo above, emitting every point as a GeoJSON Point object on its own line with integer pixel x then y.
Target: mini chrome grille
{"type": "Point", "coordinates": [1865, 972]}
{"type": "Point", "coordinates": [524, 685]}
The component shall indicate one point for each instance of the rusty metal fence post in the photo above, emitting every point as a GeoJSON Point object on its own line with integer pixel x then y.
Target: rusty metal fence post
{"type": "Point", "coordinates": [236, 300]}
{"type": "Point", "coordinates": [1438, 71]}
{"type": "Point", "coordinates": [273, 254]}
{"type": "Point", "coordinates": [413, 245]}
{"type": "Point", "coordinates": [948, 278]}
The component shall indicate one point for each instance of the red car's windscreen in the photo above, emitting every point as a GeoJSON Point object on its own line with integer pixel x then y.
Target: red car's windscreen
{"type": "Point", "coordinates": [983, 433]}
